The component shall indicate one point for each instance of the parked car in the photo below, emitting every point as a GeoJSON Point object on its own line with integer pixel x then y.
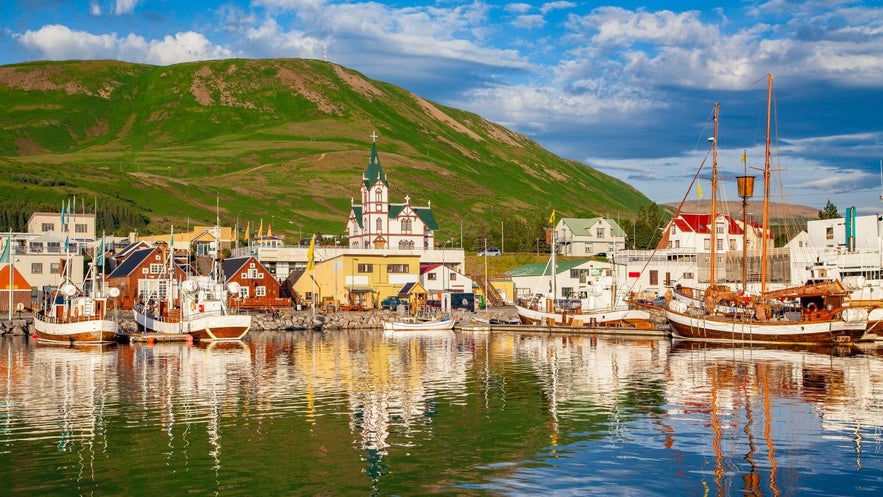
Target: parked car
{"type": "Point", "coordinates": [392, 303]}
{"type": "Point", "coordinates": [490, 252]}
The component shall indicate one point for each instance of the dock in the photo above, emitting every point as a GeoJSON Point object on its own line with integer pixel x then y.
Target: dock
{"type": "Point", "coordinates": [151, 337]}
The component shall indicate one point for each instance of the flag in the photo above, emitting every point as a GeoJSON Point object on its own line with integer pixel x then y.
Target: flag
{"type": "Point", "coordinates": [261, 229]}
{"type": "Point", "coordinates": [247, 229]}
{"type": "Point", "coordinates": [552, 217]}
{"type": "Point", "coordinates": [99, 254]}
{"type": "Point", "coordinates": [62, 217]}
{"type": "Point", "coordinates": [699, 189]}
{"type": "Point", "coordinates": [744, 156]}
{"type": "Point", "coordinates": [67, 243]}
{"type": "Point", "coordinates": [269, 230]}
{"type": "Point", "coordinates": [5, 256]}
{"type": "Point", "coordinates": [311, 254]}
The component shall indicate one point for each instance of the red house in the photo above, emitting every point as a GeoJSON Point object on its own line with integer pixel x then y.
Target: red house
{"type": "Point", "coordinates": [258, 288]}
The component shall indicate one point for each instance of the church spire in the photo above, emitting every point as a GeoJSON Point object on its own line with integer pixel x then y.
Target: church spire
{"type": "Point", "coordinates": [374, 172]}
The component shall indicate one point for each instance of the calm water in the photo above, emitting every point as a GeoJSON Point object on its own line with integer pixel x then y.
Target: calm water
{"type": "Point", "coordinates": [361, 413]}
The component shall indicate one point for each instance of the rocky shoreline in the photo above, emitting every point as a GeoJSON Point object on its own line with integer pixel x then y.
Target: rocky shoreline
{"type": "Point", "coordinates": [287, 320]}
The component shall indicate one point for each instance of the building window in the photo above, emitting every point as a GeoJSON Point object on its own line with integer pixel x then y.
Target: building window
{"type": "Point", "coordinates": [829, 233]}
{"type": "Point", "coordinates": [688, 276]}
{"type": "Point", "coordinates": [47, 227]}
{"type": "Point", "coordinates": [397, 268]}
{"type": "Point", "coordinates": [251, 274]}
{"type": "Point", "coordinates": [244, 292]}
{"type": "Point", "coordinates": [567, 292]}
{"type": "Point", "coordinates": [365, 268]}
{"type": "Point", "coordinates": [720, 229]}
{"type": "Point", "coordinates": [55, 268]}
{"type": "Point", "coordinates": [378, 195]}
{"type": "Point", "coordinates": [36, 268]}
{"type": "Point", "coordinates": [431, 277]}
{"type": "Point", "coordinates": [674, 230]}
{"type": "Point", "coordinates": [406, 225]}
{"type": "Point", "coordinates": [599, 232]}
{"type": "Point", "coordinates": [379, 225]}
{"type": "Point", "coordinates": [677, 244]}
{"type": "Point", "coordinates": [654, 277]}
{"type": "Point", "coordinates": [53, 247]}
{"type": "Point", "coordinates": [452, 276]}
{"type": "Point", "coordinates": [35, 248]}
{"type": "Point", "coordinates": [260, 291]}
{"type": "Point", "coordinates": [707, 244]}
{"type": "Point", "coordinates": [719, 244]}
{"type": "Point", "coordinates": [156, 268]}
{"type": "Point", "coordinates": [80, 228]}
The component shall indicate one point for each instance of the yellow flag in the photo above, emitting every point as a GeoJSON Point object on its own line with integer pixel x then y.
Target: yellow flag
{"type": "Point", "coordinates": [744, 156]}
{"type": "Point", "coordinates": [311, 254]}
{"type": "Point", "coordinates": [261, 230]}
{"type": "Point", "coordinates": [552, 217]}
{"type": "Point", "coordinates": [247, 230]}
{"type": "Point", "coordinates": [269, 230]}
{"type": "Point", "coordinates": [699, 188]}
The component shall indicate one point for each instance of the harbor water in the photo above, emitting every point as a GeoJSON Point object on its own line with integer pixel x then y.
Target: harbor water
{"type": "Point", "coordinates": [364, 412]}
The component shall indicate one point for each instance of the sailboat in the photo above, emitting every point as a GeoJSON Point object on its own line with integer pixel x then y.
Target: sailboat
{"type": "Point", "coordinates": [196, 306]}
{"type": "Point", "coordinates": [814, 313]}
{"type": "Point", "coordinates": [75, 314]}
{"type": "Point", "coordinates": [590, 313]}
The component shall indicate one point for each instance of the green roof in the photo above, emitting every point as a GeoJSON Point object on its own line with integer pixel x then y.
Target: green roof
{"type": "Point", "coordinates": [582, 226]}
{"type": "Point", "coordinates": [540, 268]}
{"type": "Point", "coordinates": [374, 172]}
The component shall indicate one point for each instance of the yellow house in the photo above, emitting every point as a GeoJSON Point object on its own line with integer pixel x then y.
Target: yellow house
{"type": "Point", "coordinates": [357, 279]}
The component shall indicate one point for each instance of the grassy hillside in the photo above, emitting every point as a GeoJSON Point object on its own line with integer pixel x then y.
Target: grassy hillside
{"type": "Point", "coordinates": [283, 140]}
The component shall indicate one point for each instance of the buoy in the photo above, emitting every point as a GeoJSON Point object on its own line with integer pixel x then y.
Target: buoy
{"type": "Point", "coordinates": [151, 341]}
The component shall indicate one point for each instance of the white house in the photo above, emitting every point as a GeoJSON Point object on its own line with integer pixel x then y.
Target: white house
{"type": "Point", "coordinates": [440, 278]}
{"type": "Point", "coordinates": [593, 283]}
{"type": "Point", "coordinates": [592, 236]}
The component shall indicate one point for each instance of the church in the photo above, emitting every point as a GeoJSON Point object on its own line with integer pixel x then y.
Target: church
{"type": "Point", "coordinates": [379, 224]}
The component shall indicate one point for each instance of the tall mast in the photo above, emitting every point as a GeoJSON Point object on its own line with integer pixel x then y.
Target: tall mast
{"type": "Point", "coordinates": [713, 221]}
{"type": "Point", "coordinates": [766, 188]}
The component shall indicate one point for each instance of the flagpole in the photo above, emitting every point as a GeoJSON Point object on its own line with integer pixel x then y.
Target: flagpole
{"type": "Point", "coordinates": [11, 270]}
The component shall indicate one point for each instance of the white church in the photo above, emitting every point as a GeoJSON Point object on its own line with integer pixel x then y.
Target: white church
{"type": "Point", "coordinates": [379, 224]}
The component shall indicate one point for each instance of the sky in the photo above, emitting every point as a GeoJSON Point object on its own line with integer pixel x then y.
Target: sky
{"type": "Point", "coordinates": [627, 88]}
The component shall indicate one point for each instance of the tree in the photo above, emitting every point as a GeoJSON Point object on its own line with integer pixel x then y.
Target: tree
{"type": "Point", "coordinates": [830, 211]}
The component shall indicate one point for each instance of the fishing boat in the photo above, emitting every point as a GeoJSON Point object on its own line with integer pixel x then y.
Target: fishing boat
{"type": "Point", "coordinates": [809, 314]}
{"type": "Point", "coordinates": [78, 314]}
{"type": "Point", "coordinates": [196, 306]}
{"type": "Point", "coordinates": [413, 324]}
{"type": "Point", "coordinates": [602, 306]}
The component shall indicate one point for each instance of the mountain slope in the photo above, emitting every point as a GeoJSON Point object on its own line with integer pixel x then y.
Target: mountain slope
{"type": "Point", "coordinates": [282, 140]}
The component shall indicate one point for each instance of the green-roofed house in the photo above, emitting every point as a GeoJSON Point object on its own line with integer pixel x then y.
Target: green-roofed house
{"type": "Point", "coordinates": [590, 281]}
{"type": "Point", "coordinates": [592, 236]}
{"type": "Point", "coordinates": [378, 224]}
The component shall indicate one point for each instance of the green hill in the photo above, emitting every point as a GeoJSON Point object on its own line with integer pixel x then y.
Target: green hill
{"type": "Point", "coordinates": [283, 140]}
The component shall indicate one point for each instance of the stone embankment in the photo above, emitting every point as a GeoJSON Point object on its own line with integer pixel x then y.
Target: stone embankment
{"type": "Point", "coordinates": [289, 319]}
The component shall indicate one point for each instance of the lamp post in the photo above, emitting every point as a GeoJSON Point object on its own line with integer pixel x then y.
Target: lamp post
{"type": "Point", "coordinates": [444, 267]}
{"type": "Point", "coordinates": [299, 231]}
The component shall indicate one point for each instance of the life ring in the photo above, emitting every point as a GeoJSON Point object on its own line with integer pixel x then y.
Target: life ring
{"type": "Point", "coordinates": [192, 305]}
{"type": "Point", "coordinates": [811, 307]}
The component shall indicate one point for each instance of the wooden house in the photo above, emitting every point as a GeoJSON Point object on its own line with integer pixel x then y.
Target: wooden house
{"type": "Point", "coordinates": [140, 272]}
{"type": "Point", "coordinates": [258, 288]}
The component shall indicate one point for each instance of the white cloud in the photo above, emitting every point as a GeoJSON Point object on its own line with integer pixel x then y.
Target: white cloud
{"type": "Point", "coordinates": [123, 7]}
{"type": "Point", "coordinates": [560, 5]}
{"type": "Point", "coordinates": [529, 21]}
{"type": "Point", "coordinates": [518, 8]}
{"type": "Point", "coordinates": [95, 8]}
{"type": "Point", "coordinates": [60, 42]}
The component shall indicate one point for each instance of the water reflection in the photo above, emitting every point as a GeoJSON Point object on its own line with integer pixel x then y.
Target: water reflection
{"type": "Point", "coordinates": [363, 412]}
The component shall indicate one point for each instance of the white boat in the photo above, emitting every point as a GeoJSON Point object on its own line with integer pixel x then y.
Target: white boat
{"type": "Point", "coordinates": [618, 317]}
{"type": "Point", "coordinates": [78, 314]}
{"type": "Point", "coordinates": [810, 314]}
{"type": "Point", "coordinates": [602, 306]}
{"type": "Point", "coordinates": [197, 306]}
{"type": "Point", "coordinates": [445, 324]}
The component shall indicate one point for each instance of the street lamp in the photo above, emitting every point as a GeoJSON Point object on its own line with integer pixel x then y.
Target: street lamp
{"type": "Point", "coordinates": [444, 267]}
{"type": "Point", "coordinates": [299, 231]}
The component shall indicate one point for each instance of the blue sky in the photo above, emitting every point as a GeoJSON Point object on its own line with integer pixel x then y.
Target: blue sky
{"type": "Point", "coordinates": [626, 88]}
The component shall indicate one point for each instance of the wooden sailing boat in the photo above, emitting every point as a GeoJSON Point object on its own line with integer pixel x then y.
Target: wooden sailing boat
{"type": "Point", "coordinates": [610, 313]}
{"type": "Point", "coordinates": [815, 313]}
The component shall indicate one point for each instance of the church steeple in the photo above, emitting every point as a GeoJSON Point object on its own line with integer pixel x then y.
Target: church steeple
{"type": "Point", "coordinates": [374, 172]}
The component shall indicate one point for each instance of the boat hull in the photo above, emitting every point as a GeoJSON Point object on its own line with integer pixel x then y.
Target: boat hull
{"type": "Point", "coordinates": [714, 328]}
{"type": "Point", "coordinates": [612, 318]}
{"type": "Point", "coordinates": [202, 328]}
{"type": "Point", "coordinates": [440, 325]}
{"type": "Point", "coordinates": [71, 331]}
